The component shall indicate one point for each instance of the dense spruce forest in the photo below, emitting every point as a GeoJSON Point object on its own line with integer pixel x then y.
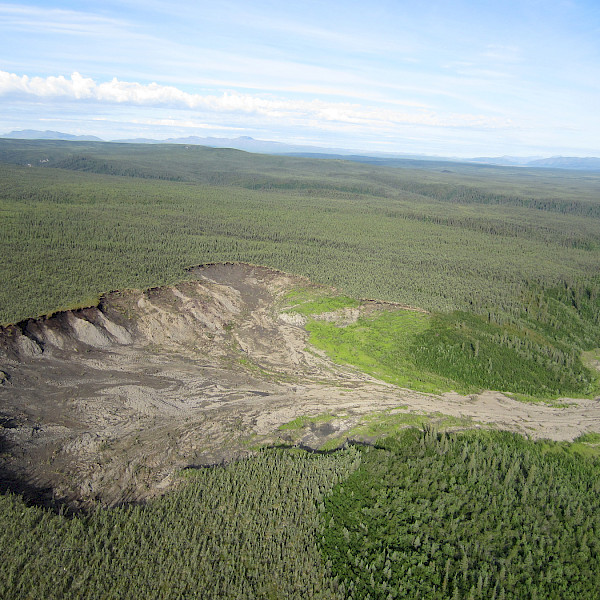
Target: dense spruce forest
{"type": "Point", "coordinates": [248, 530]}
{"type": "Point", "coordinates": [477, 515]}
{"type": "Point", "coordinates": [504, 262]}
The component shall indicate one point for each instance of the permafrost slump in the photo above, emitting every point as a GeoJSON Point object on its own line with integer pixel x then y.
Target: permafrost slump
{"type": "Point", "coordinates": [106, 403]}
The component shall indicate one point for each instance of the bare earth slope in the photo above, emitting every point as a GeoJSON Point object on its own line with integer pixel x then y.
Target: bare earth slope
{"type": "Point", "coordinates": [106, 403]}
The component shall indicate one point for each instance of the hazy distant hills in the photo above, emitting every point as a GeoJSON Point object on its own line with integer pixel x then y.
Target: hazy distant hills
{"type": "Point", "coordinates": [555, 162]}
{"type": "Point", "coordinates": [243, 143]}
{"type": "Point", "coordinates": [567, 162]}
{"type": "Point", "coordinates": [250, 144]}
{"type": "Point", "coordinates": [32, 134]}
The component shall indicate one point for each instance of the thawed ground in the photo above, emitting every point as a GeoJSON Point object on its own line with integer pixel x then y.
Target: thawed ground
{"type": "Point", "coordinates": [107, 403]}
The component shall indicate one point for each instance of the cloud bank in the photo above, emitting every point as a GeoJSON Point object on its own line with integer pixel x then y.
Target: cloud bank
{"type": "Point", "coordinates": [78, 88]}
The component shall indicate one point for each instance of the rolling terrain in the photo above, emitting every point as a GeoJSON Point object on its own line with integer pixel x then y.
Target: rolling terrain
{"type": "Point", "coordinates": [418, 309]}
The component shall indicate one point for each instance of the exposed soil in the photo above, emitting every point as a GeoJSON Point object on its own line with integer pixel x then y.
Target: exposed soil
{"type": "Point", "coordinates": [106, 403]}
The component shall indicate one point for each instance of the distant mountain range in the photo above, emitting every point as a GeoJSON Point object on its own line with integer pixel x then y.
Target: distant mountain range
{"type": "Point", "coordinates": [249, 144]}
{"type": "Point", "coordinates": [244, 143]}
{"type": "Point", "coordinates": [555, 162]}
{"type": "Point", "coordinates": [32, 134]}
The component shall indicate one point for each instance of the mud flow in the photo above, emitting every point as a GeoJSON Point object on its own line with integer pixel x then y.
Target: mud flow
{"type": "Point", "coordinates": [106, 404]}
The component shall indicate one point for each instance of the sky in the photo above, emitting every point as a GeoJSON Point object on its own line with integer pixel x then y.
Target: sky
{"type": "Point", "coordinates": [453, 78]}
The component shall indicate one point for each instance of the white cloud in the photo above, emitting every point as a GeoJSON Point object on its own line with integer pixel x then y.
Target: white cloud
{"type": "Point", "coordinates": [170, 122]}
{"type": "Point", "coordinates": [79, 88]}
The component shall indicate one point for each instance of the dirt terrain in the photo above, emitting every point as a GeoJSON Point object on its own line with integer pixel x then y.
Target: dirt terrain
{"type": "Point", "coordinates": [106, 403]}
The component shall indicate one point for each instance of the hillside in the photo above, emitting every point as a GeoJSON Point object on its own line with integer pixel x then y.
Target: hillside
{"type": "Point", "coordinates": [411, 308]}
{"type": "Point", "coordinates": [392, 159]}
{"type": "Point", "coordinates": [506, 258]}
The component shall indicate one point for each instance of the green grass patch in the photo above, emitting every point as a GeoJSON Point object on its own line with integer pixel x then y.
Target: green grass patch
{"type": "Point", "coordinates": [377, 425]}
{"type": "Point", "coordinates": [333, 443]}
{"type": "Point", "coordinates": [304, 421]}
{"type": "Point", "coordinates": [527, 399]}
{"type": "Point", "coordinates": [590, 356]}
{"type": "Point", "coordinates": [385, 423]}
{"type": "Point", "coordinates": [587, 444]}
{"type": "Point", "coordinates": [388, 423]}
{"type": "Point", "coordinates": [380, 345]}
{"type": "Point", "coordinates": [315, 302]}
{"type": "Point", "coordinates": [589, 438]}
{"type": "Point", "coordinates": [299, 295]}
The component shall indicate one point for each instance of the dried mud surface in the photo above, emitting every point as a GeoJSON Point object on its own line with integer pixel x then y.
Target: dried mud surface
{"type": "Point", "coordinates": [105, 404]}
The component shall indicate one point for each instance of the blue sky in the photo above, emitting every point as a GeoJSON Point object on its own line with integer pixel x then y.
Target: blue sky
{"type": "Point", "coordinates": [459, 78]}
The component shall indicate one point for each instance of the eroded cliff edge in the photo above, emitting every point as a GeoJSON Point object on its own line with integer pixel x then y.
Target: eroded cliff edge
{"type": "Point", "coordinates": [106, 403]}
